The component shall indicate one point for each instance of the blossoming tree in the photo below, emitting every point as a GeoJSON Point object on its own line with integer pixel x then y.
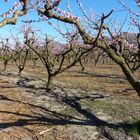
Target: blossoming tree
{"type": "Point", "coordinates": [15, 11]}
{"type": "Point", "coordinates": [114, 47]}
{"type": "Point", "coordinates": [5, 53]}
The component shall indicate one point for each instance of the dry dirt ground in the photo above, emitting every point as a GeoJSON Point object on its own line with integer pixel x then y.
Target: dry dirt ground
{"type": "Point", "coordinates": [97, 104]}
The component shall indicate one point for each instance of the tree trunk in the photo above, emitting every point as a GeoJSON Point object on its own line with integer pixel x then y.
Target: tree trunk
{"type": "Point", "coordinates": [82, 67]}
{"type": "Point", "coordinates": [20, 71]}
{"type": "Point", "coordinates": [96, 61]}
{"type": "Point", "coordinates": [5, 65]}
{"type": "Point", "coordinates": [126, 70]}
{"type": "Point", "coordinates": [130, 77]}
{"type": "Point", "coordinates": [49, 82]}
{"type": "Point", "coordinates": [34, 63]}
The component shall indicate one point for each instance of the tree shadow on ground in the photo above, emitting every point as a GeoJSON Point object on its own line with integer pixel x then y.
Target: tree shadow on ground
{"type": "Point", "coordinates": [49, 117]}
{"type": "Point", "coordinates": [115, 77]}
{"type": "Point", "coordinates": [2, 97]}
{"type": "Point", "coordinates": [126, 91]}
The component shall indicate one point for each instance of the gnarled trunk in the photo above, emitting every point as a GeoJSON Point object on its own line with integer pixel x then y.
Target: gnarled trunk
{"type": "Point", "coordinates": [49, 82]}
{"type": "Point", "coordinates": [130, 77]}
{"type": "Point", "coordinates": [125, 69]}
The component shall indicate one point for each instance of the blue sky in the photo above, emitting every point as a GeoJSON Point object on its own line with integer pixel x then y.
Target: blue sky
{"type": "Point", "coordinates": [99, 6]}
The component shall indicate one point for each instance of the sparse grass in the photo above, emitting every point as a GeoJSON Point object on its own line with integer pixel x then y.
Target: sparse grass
{"type": "Point", "coordinates": [69, 112]}
{"type": "Point", "coordinates": [134, 130]}
{"type": "Point", "coordinates": [118, 111]}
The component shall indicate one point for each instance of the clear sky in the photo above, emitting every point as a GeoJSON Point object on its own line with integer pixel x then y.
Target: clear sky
{"type": "Point", "coordinates": [99, 6]}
